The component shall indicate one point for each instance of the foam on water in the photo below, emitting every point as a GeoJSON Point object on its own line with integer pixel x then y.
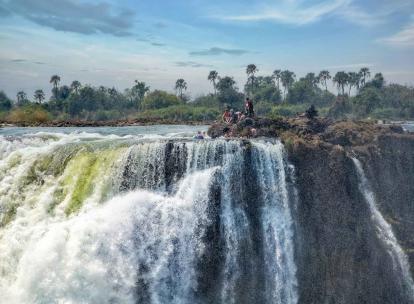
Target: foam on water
{"type": "Point", "coordinates": [90, 218]}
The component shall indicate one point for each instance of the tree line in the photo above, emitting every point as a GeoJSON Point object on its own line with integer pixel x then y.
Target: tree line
{"type": "Point", "coordinates": [280, 93]}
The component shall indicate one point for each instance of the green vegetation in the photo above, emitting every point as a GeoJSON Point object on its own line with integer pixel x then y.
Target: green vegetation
{"type": "Point", "coordinates": [181, 113]}
{"type": "Point", "coordinates": [160, 99]}
{"type": "Point", "coordinates": [280, 94]}
{"type": "Point", "coordinates": [29, 113]}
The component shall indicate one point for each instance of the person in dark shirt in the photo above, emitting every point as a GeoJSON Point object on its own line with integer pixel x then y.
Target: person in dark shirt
{"type": "Point", "coordinates": [248, 106]}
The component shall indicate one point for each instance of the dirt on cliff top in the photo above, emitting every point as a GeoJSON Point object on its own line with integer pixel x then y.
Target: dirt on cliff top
{"type": "Point", "coordinates": [344, 133]}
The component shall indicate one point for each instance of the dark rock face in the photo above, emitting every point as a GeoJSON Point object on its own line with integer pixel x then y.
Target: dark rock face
{"type": "Point", "coordinates": [340, 258]}
{"type": "Point", "coordinates": [390, 168]}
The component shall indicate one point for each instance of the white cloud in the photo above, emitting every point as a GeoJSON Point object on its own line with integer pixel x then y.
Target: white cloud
{"type": "Point", "coordinates": [291, 12]}
{"type": "Point", "coordinates": [356, 15]}
{"type": "Point", "coordinates": [403, 38]}
{"type": "Point", "coordinates": [297, 12]}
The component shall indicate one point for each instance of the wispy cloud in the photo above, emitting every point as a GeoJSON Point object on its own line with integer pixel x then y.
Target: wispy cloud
{"type": "Point", "coordinates": [215, 51]}
{"type": "Point", "coordinates": [299, 13]}
{"type": "Point", "coordinates": [357, 15]}
{"type": "Point", "coordinates": [18, 60]}
{"type": "Point", "coordinates": [73, 16]}
{"type": "Point", "coordinates": [157, 44]}
{"type": "Point", "coordinates": [291, 12]}
{"type": "Point", "coordinates": [192, 64]}
{"type": "Point", "coordinates": [403, 38]}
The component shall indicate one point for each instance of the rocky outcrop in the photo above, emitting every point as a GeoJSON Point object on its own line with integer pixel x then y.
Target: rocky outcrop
{"type": "Point", "coordinates": [389, 165]}
{"type": "Point", "coordinates": [340, 257]}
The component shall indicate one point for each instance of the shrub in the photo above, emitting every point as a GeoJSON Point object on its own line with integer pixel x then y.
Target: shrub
{"type": "Point", "coordinates": [386, 113]}
{"type": "Point", "coordinates": [160, 99]}
{"type": "Point", "coordinates": [182, 113]}
{"type": "Point", "coordinates": [288, 110]}
{"type": "Point", "coordinates": [28, 114]}
{"type": "Point", "coordinates": [263, 108]}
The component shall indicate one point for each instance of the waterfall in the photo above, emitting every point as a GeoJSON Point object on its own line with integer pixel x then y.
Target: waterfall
{"type": "Point", "coordinates": [385, 233]}
{"type": "Point", "coordinates": [86, 218]}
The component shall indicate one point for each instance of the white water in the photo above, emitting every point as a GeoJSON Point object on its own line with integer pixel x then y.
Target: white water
{"type": "Point", "coordinates": [385, 233]}
{"type": "Point", "coordinates": [144, 245]}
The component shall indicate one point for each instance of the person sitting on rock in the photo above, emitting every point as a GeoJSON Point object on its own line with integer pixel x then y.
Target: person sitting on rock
{"type": "Point", "coordinates": [199, 135]}
{"type": "Point", "coordinates": [227, 116]}
{"type": "Point", "coordinates": [311, 113]}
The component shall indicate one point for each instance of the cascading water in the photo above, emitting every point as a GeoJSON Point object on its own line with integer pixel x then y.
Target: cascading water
{"type": "Point", "coordinates": [102, 219]}
{"type": "Point", "coordinates": [386, 235]}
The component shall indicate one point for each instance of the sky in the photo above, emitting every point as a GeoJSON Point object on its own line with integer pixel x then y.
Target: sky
{"type": "Point", "coordinates": [113, 43]}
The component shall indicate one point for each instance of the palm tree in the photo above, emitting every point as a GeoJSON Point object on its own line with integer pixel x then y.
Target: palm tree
{"type": "Point", "coordinates": [378, 81]}
{"type": "Point", "coordinates": [276, 76]}
{"type": "Point", "coordinates": [365, 74]}
{"type": "Point", "coordinates": [75, 86]}
{"type": "Point", "coordinates": [354, 80]}
{"type": "Point", "coordinates": [312, 80]}
{"type": "Point", "coordinates": [212, 77]}
{"type": "Point", "coordinates": [324, 76]}
{"type": "Point", "coordinates": [112, 92]}
{"type": "Point", "coordinates": [21, 97]}
{"type": "Point", "coordinates": [251, 69]}
{"type": "Point", "coordinates": [139, 90]}
{"type": "Point", "coordinates": [180, 86]}
{"type": "Point", "coordinates": [102, 89]}
{"type": "Point", "coordinates": [39, 96]}
{"type": "Point", "coordinates": [287, 78]}
{"type": "Point", "coordinates": [341, 79]}
{"type": "Point", "coordinates": [55, 79]}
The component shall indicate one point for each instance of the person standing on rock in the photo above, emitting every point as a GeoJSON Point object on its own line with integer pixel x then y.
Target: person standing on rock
{"type": "Point", "coordinates": [248, 107]}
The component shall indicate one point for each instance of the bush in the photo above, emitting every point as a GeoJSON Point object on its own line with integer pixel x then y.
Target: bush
{"type": "Point", "coordinates": [263, 108]}
{"type": "Point", "coordinates": [160, 99]}
{"type": "Point", "coordinates": [181, 113]}
{"type": "Point", "coordinates": [28, 114]}
{"type": "Point", "coordinates": [342, 108]}
{"type": "Point", "coordinates": [303, 92]}
{"type": "Point", "coordinates": [367, 100]}
{"type": "Point", "coordinates": [267, 94]}
{"type": "Point", "coordinates": [206, 101]}
{"type": "Point", "coordinates": [288, 110]}
{"type": "Point", "coordinates": [386, 113]}
{"type": "Point", "coordinates": [107, 115]}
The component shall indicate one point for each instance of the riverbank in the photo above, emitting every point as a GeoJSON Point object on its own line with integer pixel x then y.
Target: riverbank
{"type": "Point", "coordinates": [109, 123]}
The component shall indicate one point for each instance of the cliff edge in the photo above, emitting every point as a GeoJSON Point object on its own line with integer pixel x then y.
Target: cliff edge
{"type": "Point", "coordinates": [340, 256]}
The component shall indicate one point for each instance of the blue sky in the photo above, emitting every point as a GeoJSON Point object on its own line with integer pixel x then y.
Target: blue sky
{"type": "Point", "coordinates": [115, 42]}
